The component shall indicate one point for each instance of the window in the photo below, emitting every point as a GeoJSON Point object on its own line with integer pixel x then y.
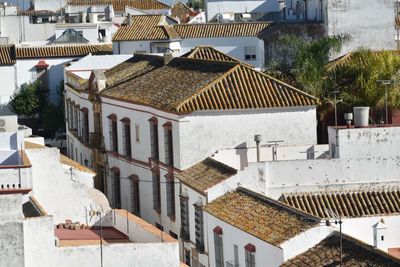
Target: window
{"type": "Point", "coordinates": [137, 133]}
{"type": "Point", "coordinates": [187, 257]}
{"type": "Point", "coordinates": [382, 238]}
{"type": "Point", "coordinates": [85, 125]}
{"type": "Point", "coordinates": [159, 226]}
{"type": "Point", "coordinates": [116, 187]}
{"type": "Point", "coordinates": [168, 145]}
{"type": "Point", "coordinates": [250, 53]}
{"type": "Point", "coordinates": [235, 255]}
{"type": "Point", "coordinates": [156, 191]}
{"type": "Point", "coordinates": [154, 138]}
{"type": "Point", "coordinates": [198, 218]}
{"type": "Point", "coordinates": [185, 234]}
{"type": "Point", "coordinates": [113, 132]}
{"type": "Point", "coordinates": [77, 119]}
{"type": "Point", "coordinates": [218, 248]}
{"type": "Point", "coordinates": [170, 185]}
{"type": "Point", "coordinates": [66, 110]}
{"type": "Point", "coordinates": [135, 195]}
{"type": "Point", "coordinates": [250, 251]}
{"type": "Point", "coordinates": [126, 136]}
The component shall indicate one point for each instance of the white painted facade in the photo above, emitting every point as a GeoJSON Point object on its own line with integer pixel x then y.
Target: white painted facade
{"type": "Point", "coordinates": [266, 254]}
{"type": "Point", "coordinates": [370, 23]}
{"type": "Point", "coordinates": [8, 76]}
{"type": "Point", "coordinates": [295, 126]}
{"type": "Point", "coordinates": [232, 46]}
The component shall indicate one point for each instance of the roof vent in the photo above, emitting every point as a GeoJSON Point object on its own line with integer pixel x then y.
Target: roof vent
{"type": "Point", "coordinates": [129, 20]}
{"type": "Point", "coordinates": [361, 116]}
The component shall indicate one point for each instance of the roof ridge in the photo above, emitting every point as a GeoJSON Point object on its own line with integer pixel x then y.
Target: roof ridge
{"type": "Point", "coordinates": [278, 204]}
{"type": "Point", "coordinates": [210, 84]}
{"type": "Point", "coordinates": [227, 23]}
{"type": "Point", "coordinates": [281, 82]}
{"type": "Point", "coordinates": [221, 163]}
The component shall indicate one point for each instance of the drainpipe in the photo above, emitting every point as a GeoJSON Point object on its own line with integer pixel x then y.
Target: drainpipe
{"type": "Point", "coordinates": [258, 139]}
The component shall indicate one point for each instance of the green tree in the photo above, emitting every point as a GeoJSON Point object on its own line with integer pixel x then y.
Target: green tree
{"type": "Point", "coordinates": [53, 114]}
{"type": "Point", "coordinates": [356, 76]}
{"type": "Point", "coordinates": [303, 63]}
{"type": "Point", "coordinates": [25, 101]}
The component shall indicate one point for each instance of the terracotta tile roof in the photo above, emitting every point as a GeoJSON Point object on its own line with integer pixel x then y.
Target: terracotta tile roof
{"type": "Point", "coordinates": [346, 204]}
{"type": "Point", "coordinates": [210, 30]}
{"type": "Point", "coordinates": [145, 27]}
{"type": "Point", "coordinates": [355, 253]}
{"type": "Point", "coordinates": [7, 55]}
{"type": "Point", "coordinates": [210, 53]}
{"type": "Point", "coordinates": [185, 85]}
{"type": "Point", "coordinates": [48, 51]}
{"type": "Point", "coordinates": [205, 174]}
{"type": "Point", "coordinates": [119, 5]}
{"type": "Point", "coordinates": [260, 216]}
{"type": "Point", "coordinates": [133, 67]}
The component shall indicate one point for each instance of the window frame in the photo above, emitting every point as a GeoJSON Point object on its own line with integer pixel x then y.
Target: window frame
{"type": "Point", "coordinates": [199, 225]}
{"type": "Point", "coordinates": [116, 187]}
{"type": "Point", "coordinates": [156, 184]}
{"type": "Point", "coordinates": [218, 247]}
{"type": "Point", "coordinates": [113, 132]}
{"type": "Point", "coordinates": [170, 194]}
{"type": "Point", "coordinates": [135, 195]}
{"type": "Point", "coordinates": [126, 137]}
{"type": "Point", "coordinates": [184, 203]}
{"type": "Point", "coordinates": [168, 144]}
{"type": "Point", "coordinates": [154, 143]}
{"type": "Point", "coordinates": [250, 257]}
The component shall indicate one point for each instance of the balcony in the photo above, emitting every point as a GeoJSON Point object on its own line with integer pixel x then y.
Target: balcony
{"type": "Point", "coordinates": [95, 140]}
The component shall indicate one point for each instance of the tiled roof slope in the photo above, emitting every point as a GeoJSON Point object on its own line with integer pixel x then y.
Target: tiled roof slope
{"type": "Point", "coordinates": [150, 27]}
{"type": "Point", "coordinates": [166, 87]}
{"type": "Point", "coordinates": [346, 204]}
{"type": "Point", "coordinates": [119, 5]}
{"type": "Point", "coordinates": [210, 30]}
{"type": "Point", "coordinates": [7, 55]}
{"type": "Point", "coordinates": [133, 67]}
{"type": "Point", "coordinates": [48, 51]}
{"type": "Point", "coordinates": [260, 216]}
{"type": "Point", "coordinates": [355, 253]}
{"type": "Point", "coordinates": [205, 174]}
{"type": "Point", "coordinates": [145, 27]}
{"type": "Point", "coordinates": [186, 85]}
{"type": "Point", "coordinates": [210, 53]}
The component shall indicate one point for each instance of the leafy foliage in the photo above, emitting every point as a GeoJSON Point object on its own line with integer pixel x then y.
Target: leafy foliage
{"type": "Point", "coordinates": [303, 63]}
{"type": "Point", "coordinates": [196, 4]}
{"type": "Point", "coordinates": [26, 101]}
{"type": "Point", "coordinates": [53, 114]}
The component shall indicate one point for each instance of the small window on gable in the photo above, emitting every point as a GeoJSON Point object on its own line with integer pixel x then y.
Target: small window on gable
{"type": "Point", "coordinates": [137, 133]}
{"type": "Point", "coordinates": [250, 53]}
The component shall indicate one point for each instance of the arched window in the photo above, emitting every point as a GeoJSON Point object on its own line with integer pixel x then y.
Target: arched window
{"type": "Point", "coordinates": [113, 132]}
{"type": "Point", "coordinates": [126, 137]}
{"type": "Point", "coordinates": [218, 247]}
{"type": "Point", "coordinates": [154, 138]}
{"type": "Point", "coordinates": [250, 257]}
{"type": "Point", "coordinates": [116, 187]}
{"type": "Point", "coordinates": [135, 195]}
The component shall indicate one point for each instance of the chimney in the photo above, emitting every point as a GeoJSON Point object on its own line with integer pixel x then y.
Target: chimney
{"type": "Point", "coordinates": [129, 20]}
{"type": "Point", "coordinates": [258, 139]}
{"type": "Point", "coordinates": [380, 235]}
{"type": "Point", "coordinates": [167, 58]}
{"type": "Point", "coordinates": [348, 117]}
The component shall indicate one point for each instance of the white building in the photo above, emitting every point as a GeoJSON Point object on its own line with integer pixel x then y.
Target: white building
{"type": "Point", "coordinates": [149, 126]}
{"type": "Point", "coordinates": [41, 189]}
{"type": "Point", "coordinates": [370, 24]}
{"type": "Point", "coordinates": [76, 75]}
{"type": "Point", "coordinates": [160, 34]}
{"type": "Point", "coordinates": [26, 64]}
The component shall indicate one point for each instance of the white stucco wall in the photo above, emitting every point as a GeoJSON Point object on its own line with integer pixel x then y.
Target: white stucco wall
{"type": "Point", "coordinates": [214, 7]}
{"type": "Point", "coordinates": [18, 30]}
{"type": "Point", "coordinates": [55, 72]}
{"type": "Point", "coordinates": [8, 80]}
{"type": "Point", "coordinates": [130, 47]}
{"type": "Point", "coordinates": [239, 158]}
{"type": "Point", "coordinates": [365, 142]}
{"type": "Point", "coordinates": [203, 133]}
{"type": "Point", "coordinates": [321, 174]}
{"type": "Point", "coordinates": [265, 253]}
{"type": "Point", "coordinates": [370, 23]}
{"type": "Point", "coordinates": [61, 193]}
{"type": "Point", "coordinates": [232, 46]}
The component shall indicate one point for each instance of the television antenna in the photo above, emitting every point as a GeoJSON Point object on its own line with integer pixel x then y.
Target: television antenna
{"type": "Point", "coordinates": [336, 219]}
{"type": "Point", "coordinates": [96, 215]}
